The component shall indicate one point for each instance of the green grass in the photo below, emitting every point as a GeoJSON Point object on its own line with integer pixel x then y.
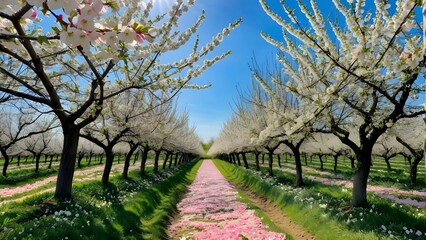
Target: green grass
{"type": "Point", "coordinates": [325, 211]}
{"type": "Point", "coordinates": [126, 209]}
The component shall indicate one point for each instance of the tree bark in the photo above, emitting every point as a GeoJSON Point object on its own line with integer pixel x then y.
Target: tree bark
{"type": "Point", "coordinates": [38, 156]}
{"type": "Point", "coordinates": [279, 160]}
{"type": "Point", "coordinates": [127, 161]}
{"type": "Point", "coordinates": [413, 172]}
{"type": "Point", "coordinates": [171, 160]}
{"type": "Point", "coordinates": [299, 178]}
{"type": "Point", "coordinates": [321, 162]}
{"type": "Point", "coordinates": [108, 165]}
{"type": "Point", "coordinates": [359, 191]}
{"type": "Point", "coordinates": [245, 160]}
{"type": "Point", "coordinates": [270, 162]}
{"type": "Point", "coordinates": [157, 157]}
{"type": "Point", "coordinates": [165, 160]}
{"type": "Point", "coordinates": [6, 161]}
{"type": "Point", "coordinates": [143, 160]}
{"type": "Point", "coordinates": [263, 158]}
{"type": "Point", "coordinates": [67, 163]}
{"type": "Point", "coordinates": [257, 161]}
{"type": "Point", "coordinates": [50, 163]}
{"type": "Point", "coordinates": [336, 157]}
{"type": "Point", "coordinates": [238, 158]}
{"type": "Point", "coordinates": [176, 159]}
{"type": "Point", "coordinates": [388, 164]}
{"type": "Point", "coordinates": [19, 160]}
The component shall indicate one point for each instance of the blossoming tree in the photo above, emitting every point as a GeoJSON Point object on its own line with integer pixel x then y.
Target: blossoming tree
{"type": "Point", "coordinates": [370, 72]}
{"type": "Point", "coordinates": [63, 59]}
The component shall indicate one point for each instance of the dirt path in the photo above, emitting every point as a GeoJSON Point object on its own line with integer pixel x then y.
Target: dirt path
{"type": "Point", "coordinates": [210, 210]}
{"type": "Point", "coordinates": [392, 194]}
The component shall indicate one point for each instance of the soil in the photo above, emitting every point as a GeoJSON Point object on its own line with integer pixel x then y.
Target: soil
{"type": "Point", "coordinates": [278, 217]}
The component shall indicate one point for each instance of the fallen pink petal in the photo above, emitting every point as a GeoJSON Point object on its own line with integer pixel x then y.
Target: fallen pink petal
{"type": "Point", "coordinates": [210, 210]}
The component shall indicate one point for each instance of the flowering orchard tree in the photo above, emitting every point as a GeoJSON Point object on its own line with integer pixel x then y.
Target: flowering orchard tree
{"type": "Point", "coordinates": [409, 134]}
{"type": "Point", "coordinates": [120, 116]}
{"type": "Point", "coordinates": [17, 125]}
{"type": "Point", "coordinates": [370, 72]}
{"type": "Point", "coordinates": [64, 58]}
{"type": "Point", "coordinates": [289, 120]}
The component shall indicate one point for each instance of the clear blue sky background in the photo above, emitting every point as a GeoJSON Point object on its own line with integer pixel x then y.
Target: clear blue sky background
{"type": "Point", "coordinates": [209, 109]}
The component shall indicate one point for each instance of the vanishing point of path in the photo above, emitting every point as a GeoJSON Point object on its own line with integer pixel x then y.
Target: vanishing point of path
{"type": "Point", "coordinates": [210, 210]}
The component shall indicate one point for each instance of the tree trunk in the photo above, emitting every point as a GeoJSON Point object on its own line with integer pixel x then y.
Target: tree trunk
{"type": "Point", "coordinates": [181, 158]}
{"type": "Point", "coordinates": [257, 161]}
{"type": "Point", "coordinates": [359, 191]}
{"type": "Point", "coordinates": [279, 160]}
{"type": "Point", "coordinates": [101, 158]}
{"type": "Point", "coordinates": [6, 161]}
{"type": "Point", "coordinates": [157, 157]}
{"type": "Point", "coordinates": [413, 172]}
{"type": "Point", "coordinates": [19, 160]}
{"type": "Point", "coordinates": [238, 158]}
{"type": "Point", "coordinates": [67, 163]}
{"type": "Point", "coordinates": [335, 163]}
{"type": "Point", "coordinates": [127, 161]}
{"type": "Point", "coordinates": [299, 178]}
{"type": "Point", "coordinates": [80, 157]}
{"type": "Point", "coordinates": [176, 158]}
{"type": "Point", "coordinates": [306, 159]}
{"type": "Point", "coordinates": [108, 165]}
{"type": "Point", "coordinates": [165, 160]}
{"type": "Point", "coordinates": [50, 163]}
{"type": "Point", "coordinates": [245, 160]}
{"type": "Point", "coordinates": [352, 163]}
{"type": "Point", "coordinates": [90, 157]}
{"type": "Point", "coordinates": [263, 158]}
{"type": "Point", "coordinates": [171, 160]}
{"type": "Point", "coordinates": [45, 158]}
{"type": "Point", "coordinates": [388, 164]}
{"type": "Point", "coordinates": [271, 161]}
{"type": "Point", "coordinates": [135, 158]}
{"type": "Point", "coordinates": [143, 160]}
{"type": "Point", "coordinates": [38, 156]}
{"type": "Point", "coordinates": [321, 162]}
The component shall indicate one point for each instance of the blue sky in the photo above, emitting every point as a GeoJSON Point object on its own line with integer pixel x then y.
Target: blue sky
{"type": "Point", "coordinates": [209, 109]}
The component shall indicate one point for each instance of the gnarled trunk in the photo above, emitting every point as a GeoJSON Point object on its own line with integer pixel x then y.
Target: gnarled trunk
{"type": "Point", "coordinates": [171, 160]}
{"type": "Point", "coordinates": [67, 163]}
